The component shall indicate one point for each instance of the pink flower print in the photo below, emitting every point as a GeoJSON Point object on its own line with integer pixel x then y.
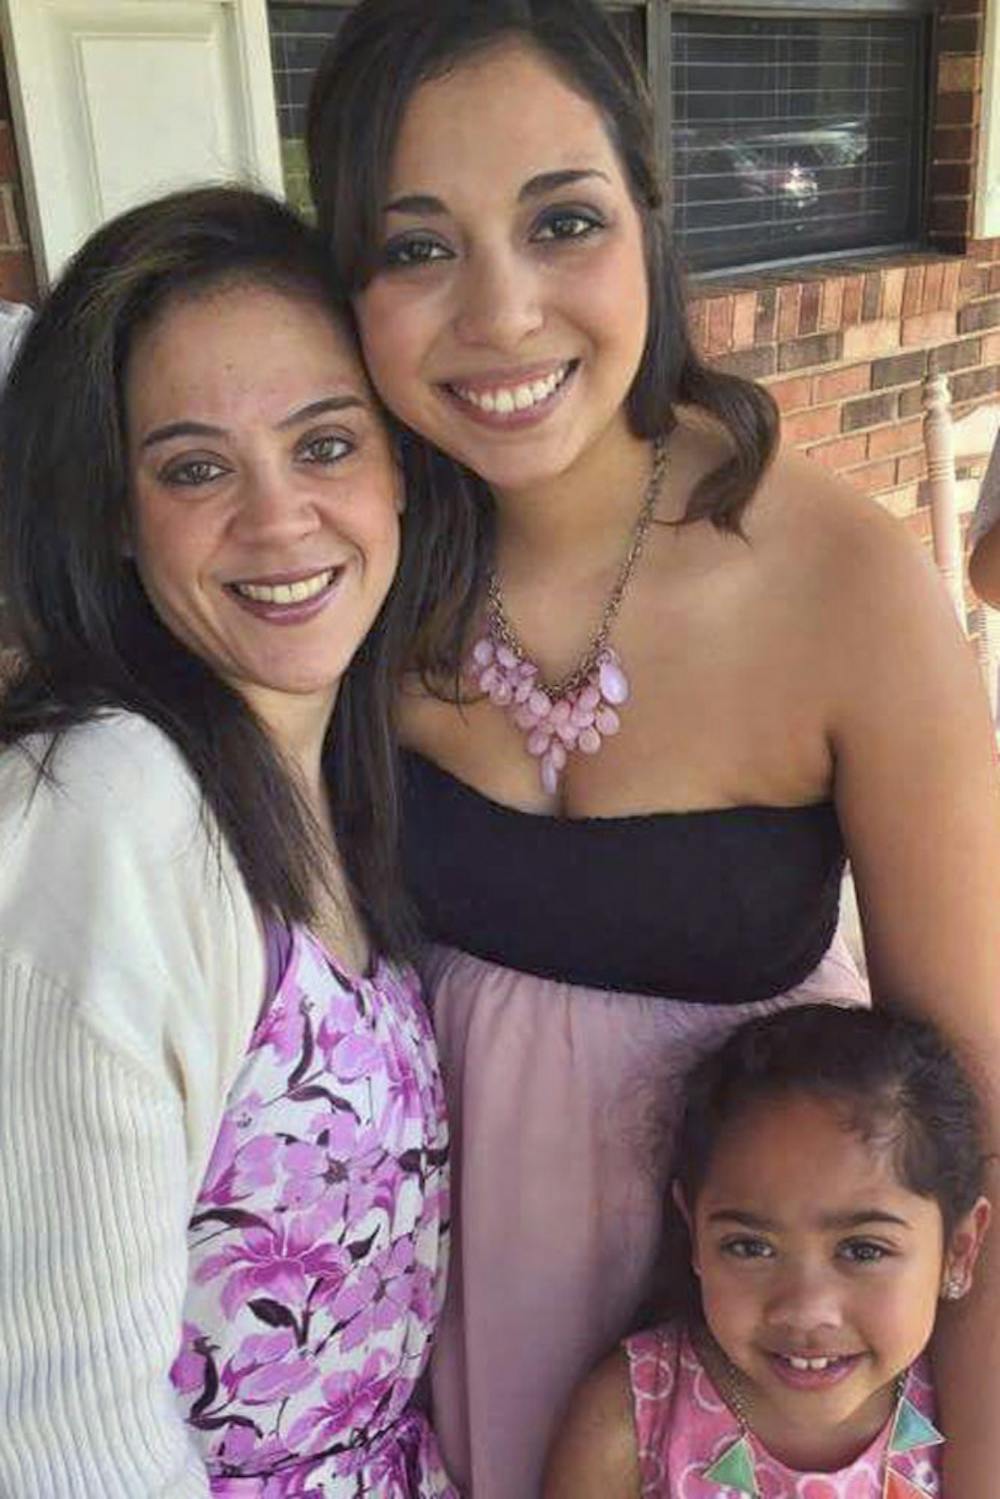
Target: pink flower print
{"type": "Point", "coordinates": [187, 1372]}
{"type": "Point", "coordinates": [377, 1297]}
{"type": "Point", "coordinates": [353, 1399]}
{"type": "Point", "coordinates": [280, 1262]}
{"type": "Point", "coordinates": [313, 1167]}
{"type": "Point", "coordinates": [283, 1027]}
{"type": "Point", "coordinates": [267, 1367]}
{"type": "Point", "coordinates": [354, 1056]}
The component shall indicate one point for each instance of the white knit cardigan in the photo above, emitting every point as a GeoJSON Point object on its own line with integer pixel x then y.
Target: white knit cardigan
{"type": "Point", "coordinates": [131, 973]}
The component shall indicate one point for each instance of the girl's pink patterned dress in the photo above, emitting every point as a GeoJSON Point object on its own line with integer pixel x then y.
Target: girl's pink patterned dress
{"type": "Point", "coordinates": [683, 1426]}
{"type": "Point", "coordinates": [317, 1246]}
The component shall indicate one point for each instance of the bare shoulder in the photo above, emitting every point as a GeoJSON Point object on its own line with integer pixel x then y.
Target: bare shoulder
{"type": "Point", "coordinates": [858, 564]}
{"type": "Point", "coordinates": [595, 1455]}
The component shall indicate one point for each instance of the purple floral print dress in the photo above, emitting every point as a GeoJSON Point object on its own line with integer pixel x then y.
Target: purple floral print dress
{"type": "Point", "coordinates": [318, 1243]}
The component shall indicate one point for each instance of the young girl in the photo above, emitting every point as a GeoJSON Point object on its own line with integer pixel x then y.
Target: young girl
{"type": "Point", "coordinates": [827, 1193]}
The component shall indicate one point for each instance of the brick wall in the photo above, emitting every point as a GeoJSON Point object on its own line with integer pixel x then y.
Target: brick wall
{"type": "Point", "coordinates": [17, 276]}
{"type": "Point", "coordinates": [844, 348]}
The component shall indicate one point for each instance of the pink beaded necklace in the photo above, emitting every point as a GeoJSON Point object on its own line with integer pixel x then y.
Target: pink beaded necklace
{"type": "Point", "coordinates": [580, 711]}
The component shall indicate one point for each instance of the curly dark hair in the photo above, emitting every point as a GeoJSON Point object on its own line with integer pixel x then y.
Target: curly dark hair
{"type": "Point", "coordinates": [892, 1079]}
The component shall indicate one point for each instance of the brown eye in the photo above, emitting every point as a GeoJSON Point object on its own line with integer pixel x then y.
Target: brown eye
{"type": "Point", "coordinates": [414, 250]}
{"type": "Point", "coordinates": [193, 473]}
{"type": "Point", "coordinates": [328, 449]}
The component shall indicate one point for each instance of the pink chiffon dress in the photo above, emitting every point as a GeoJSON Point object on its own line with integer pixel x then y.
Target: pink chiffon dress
{"type": "Point", "coordinates": [684, 1427]}
{"type": "Point", "coordinates": [578, 968]}
{"type": "Point", "coordinates": [317, 1248]}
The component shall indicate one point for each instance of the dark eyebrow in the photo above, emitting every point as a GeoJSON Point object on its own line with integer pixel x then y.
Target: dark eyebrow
{"type": "Point", "coordinates": [420, 204]}
{"type": "Point", "coordinates": [829, 1220]}
{"type": "Point", "coordinates": [742, 1219]}
{"type": "Point", "coordinates": [203, 429]}
{"type": "Point", "coordinates": [319, 408]}
{"type": "Point", "coordinates": [862, 1217]}
{"type": "Point", "coordinates": [550, 182]}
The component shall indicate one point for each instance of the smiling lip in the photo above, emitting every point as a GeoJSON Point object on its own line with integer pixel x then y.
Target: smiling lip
{"type": "Point", "coordinates": [812, 1371]}
{"type": "Point", "coordinates": [286, 598]}
{"type": "Point", "coordinates": [504, 401]}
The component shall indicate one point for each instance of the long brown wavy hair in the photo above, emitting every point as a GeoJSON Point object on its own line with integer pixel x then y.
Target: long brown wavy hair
{"type": "Point", "coordinates": [76, 611]}
{"type": "Point", "coordinates": [382, 54]}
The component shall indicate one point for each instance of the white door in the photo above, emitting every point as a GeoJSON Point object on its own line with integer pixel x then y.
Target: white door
{"type": "Point", "coordinates": [116, 101]}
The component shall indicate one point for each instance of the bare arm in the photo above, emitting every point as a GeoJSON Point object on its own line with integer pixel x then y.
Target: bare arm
{"type": "Point", "coordinates": [595, 1455]}
{"type": "Point", "coordinates": [919, 799]}
{"type": "Point", "coordinates": [984, 567]}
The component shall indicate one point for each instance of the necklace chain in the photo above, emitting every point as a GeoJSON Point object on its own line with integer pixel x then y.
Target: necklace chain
{"type": "Point", "coordinates": [503, 630]}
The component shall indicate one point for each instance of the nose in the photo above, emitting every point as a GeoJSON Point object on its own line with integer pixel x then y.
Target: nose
{"type": "Point", "coordinates": [499, 301]}
{"type": "Point", "coordinates": [274, 505]}
{"type": "Point", "coordinates": [804, 1300]}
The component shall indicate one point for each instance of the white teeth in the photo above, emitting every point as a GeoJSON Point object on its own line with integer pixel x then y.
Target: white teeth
{"type": "Point", "coordinates": [286, 593]}
{"type": "Point", "coordinates": [506, 399]}
{"type": "Point", "coordinates": [814, 1365]}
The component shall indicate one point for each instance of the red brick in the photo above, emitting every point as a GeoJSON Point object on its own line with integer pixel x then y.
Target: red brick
{"type": "Point", "coordinates": [971, 280]}
{"type": "Point", "coordinates": [817, 348]}
{"type": "Point", "coordinates": [767, 314]}
{"type": "Point", "coordinates": [866, 340]}
{"type": "Point", "coordinates": [807, 426]}
{"type": "Point", "coordinates": [955, 109]}
{"type": "Point", "coordinates": [789, 297]}
{"type": "Point", "coordinates": [930, 327]}
{"type": "Point", "coordinates": [697, 322]}
{"type": "Point", "coordinates": [960, 34]}
{"type": "Point", "coordinates": [892, 291]}
{"type": "Point", "coordinates": [949, 289]}
{"type": "Point", "coordinates": [913, 291]}
{"type": "Point", "coordinates": [841, 454]}
{"type": "Point", "coordinates": [991, 347]}
{"type": "Point", "coordinates": [951, 179]}
{"type": "Point", "coordinates": [898, 502]}
{"type": "Point", "coordinates": [950, 215]}
{"type": "Point", "coordinates": [933, 283]}
{"type": "Point", "coordinates": [719, 335]}
{"type": "Point", "coordinates": [978, 316]}
{"type": "Point", "coordinates": [898, 438]}
{"type": "Point", "coordinates": [957, 75]}
{"type": "Point", "coordinates": [911, 466]}
{"type": "Point", "coordinates": [792, 395]}
{"type": "Point", "coordinates": [854, 290]}
{"type": "Point", "coordinates": [8, 154]}
{"type": "Point", "coordinates": [875, 476]}
{"type": "Point", "coordinates": [954, 143]}
{"type": "Point", "coordinates": [871, 303]}
{"type": "Point", "coordinates": [17, 277]}
{"type": "Point", "coordinates": [993, 278]}
{"type": "Point", "coordinates": [809, 307]}
{"type": "Point", "coordinates": [854, 380]}
{"type": "Point", "coordinates": [744, 319]}
{"type": "Point", "coordinates": [831, 303]}
{"type": "Point", "coordinates": [752, 364]}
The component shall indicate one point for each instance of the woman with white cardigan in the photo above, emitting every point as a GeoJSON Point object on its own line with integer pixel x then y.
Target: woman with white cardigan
{"type": "Point", "coordinates": [223, 1193]}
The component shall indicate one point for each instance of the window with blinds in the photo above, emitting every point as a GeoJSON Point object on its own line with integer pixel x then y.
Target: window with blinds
{"type": "Point", "coordinates": [299, 35]}
{"type": "Point", "coordinates": [791, 133]}
{"type": "Point", "coordinates": [793, 137]}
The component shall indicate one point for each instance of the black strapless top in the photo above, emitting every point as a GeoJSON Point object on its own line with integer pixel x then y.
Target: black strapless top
{"type": "Point", "coordinates": [721, 907]}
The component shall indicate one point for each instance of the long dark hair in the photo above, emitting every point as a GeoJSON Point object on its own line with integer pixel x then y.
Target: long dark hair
{"type": "Point", "coordinates": [891, 1078]}
{"type": "Point", "coordinates": [383, 52]}
{"type": "Point", "coordinates": [75, 609]}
